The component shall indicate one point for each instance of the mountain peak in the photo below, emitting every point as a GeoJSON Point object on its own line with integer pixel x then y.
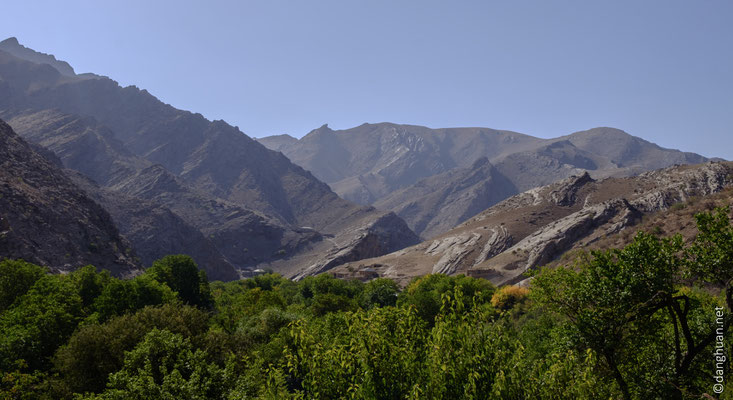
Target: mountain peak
{"type": "Point", "coordinates": [12, 46]}
{"type": "Point", "coordinates": [11, 41]}
{"type": "Point", "coordinates": [323, 129]}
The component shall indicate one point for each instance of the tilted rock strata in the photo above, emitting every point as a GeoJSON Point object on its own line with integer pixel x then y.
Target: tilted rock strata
{"type": "Point", "coordinates": [535, 227]}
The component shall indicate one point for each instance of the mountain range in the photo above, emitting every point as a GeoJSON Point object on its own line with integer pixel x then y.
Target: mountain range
{"type": "Point", "coordinates": [164, 181]}
{"type": "Point", "coordinates": [394, 167]}
{"type": "Point", "coordinates": [253, 205]}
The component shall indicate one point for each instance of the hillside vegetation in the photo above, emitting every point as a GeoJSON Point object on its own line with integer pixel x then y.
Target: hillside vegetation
{"type": "Point", "coordinates": [641, 322]}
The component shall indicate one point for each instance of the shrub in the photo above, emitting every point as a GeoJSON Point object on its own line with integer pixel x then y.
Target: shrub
{"type": "Point", "coordinates": [508, 296]}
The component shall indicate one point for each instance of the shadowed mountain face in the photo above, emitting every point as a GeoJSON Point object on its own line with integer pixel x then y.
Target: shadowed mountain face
{"type": "Point", "coordinates": [46, 219]}
{"type": "Point", "coordinates": [435, 204]}
{"type": "Point", "coordinates": [411, 169]}
{"type": "Point", "coordinates": [250, 202]}
{"type": "Point", "coordinates": [537, 226]}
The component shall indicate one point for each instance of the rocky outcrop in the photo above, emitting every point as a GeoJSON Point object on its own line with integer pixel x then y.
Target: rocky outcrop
{"type": "Point", "coordinates": [46, 219]}
{"type": "Point", "coordinates": [498, 240]}
{"type": "Point", "coordinates": [536, 227]}
{"type": "Point", "coordinates": [566, 191]}
{"type": "Point", "coordinates": [453, 250]}
{"type": "Point", "coordinates": [679, 186]}
{"type": "Point", "coordinates": [555, 238]}
{"type": "Point", "coordinates": [387, 234]}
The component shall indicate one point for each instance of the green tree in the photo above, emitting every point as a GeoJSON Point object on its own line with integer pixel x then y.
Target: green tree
{"type": "Point", "coordinates": [123, 296]}
{"type": "Point", "coordinates": [425, 293]}
{"type": "Point", "coordinates": [182, 275]}
{"type": "Point", "coordinates": [711, 254]}
{"type": "Point", "coordinates": [164, 365]}
{"type": "Point", "coordinates": [628, 302]}
{"type": "Point", "coordinates": [39, 322]}
{"type": "Point", "coordinates": [380, 292]}
{"type": "Point", "coordinates": [89, 283]}
{"type": "Point", "coordinates": [96, 350]}
{"type": "Point", "coordinates": [16, 277]}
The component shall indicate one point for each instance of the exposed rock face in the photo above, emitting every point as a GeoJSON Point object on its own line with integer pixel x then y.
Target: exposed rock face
{"type": "Point", "coordinates": [499, 240]}
{"type": "Point", "coordinates": [46, 219]}
{"type": "Point", "coordinates": [552, 239]}
{"type": "Point", "coordinates": [565, 194]}
{"type": "Point", "coordinates": [453, 251]}
{"type": "Point", "coordinates": [385, 235]}
{"type": "Point", "coordinates": [250, 202]}
{"type": "Point", "coordinates": [535, 227]}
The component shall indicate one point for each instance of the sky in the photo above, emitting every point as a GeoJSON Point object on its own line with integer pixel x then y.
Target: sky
{"type": "Point", "coordinates": [661, 70]}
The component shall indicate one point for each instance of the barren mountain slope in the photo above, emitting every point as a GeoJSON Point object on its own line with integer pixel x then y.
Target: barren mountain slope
{"type": "Point", "coordinates": [677, 219]}
{"type": "Point", "coordinates": [89, 148]}
{"type": "Point", "coordinates": [367, 163]}
{"type": "Point", "coordinates": [536, 226]}
{"type": "Point", "coordinates": [435, 204]}
{"type": "Point", "coordinates": [48, 220]}
{"type": "Point", "coordinates": [211, 158]}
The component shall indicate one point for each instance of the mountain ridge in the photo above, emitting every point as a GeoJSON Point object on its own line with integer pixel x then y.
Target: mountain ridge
{"type": "Point", "coordinates": [210, 157]}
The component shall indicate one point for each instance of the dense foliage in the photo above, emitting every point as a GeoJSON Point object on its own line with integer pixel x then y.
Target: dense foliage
{"type": "Point", "coordinates": [634, 323]}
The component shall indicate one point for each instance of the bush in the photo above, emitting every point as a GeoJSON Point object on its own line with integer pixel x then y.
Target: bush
{"type": "Point", "coordinates": [508, 296]}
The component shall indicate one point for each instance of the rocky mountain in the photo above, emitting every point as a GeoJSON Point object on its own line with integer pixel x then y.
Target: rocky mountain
{"type": "Point", "coordinates": [366, 163]}
{"type": "Point", "coordinates": [252, 203]}
{"type": "Point", "coordinates": [12, 46]}
{"type": "Point", "coordinates": [537, 226]}
{"type": "Point", "coordinates": [395, 167]}
{"type": "Point", "coordinates": [46, 219]}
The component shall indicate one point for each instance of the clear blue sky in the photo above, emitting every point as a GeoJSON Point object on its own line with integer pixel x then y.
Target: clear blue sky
{"type": "Point", "coordinates": [662, 70]}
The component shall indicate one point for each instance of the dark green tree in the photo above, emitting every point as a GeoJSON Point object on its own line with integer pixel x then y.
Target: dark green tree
{"type": "Point", "coordinates": [96, 350]}
{"type": "Point", "coordinates": [16, 277]}
{"type": "Point", "coordinates": [380, 292]}
{"type": "Point", "coordinates": [182, 275]}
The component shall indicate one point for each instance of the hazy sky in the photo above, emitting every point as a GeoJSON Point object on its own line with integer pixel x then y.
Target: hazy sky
{"type": "Point", "coordinates": [662, 70]}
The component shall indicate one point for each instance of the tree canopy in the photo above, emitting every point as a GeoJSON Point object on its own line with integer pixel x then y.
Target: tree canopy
{"type": "Point", "coordinates": [639, 322]}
